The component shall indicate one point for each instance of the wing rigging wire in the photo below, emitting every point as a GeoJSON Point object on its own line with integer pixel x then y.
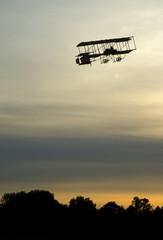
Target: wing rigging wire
{"type": "Point", "coordinates": [104, 50]}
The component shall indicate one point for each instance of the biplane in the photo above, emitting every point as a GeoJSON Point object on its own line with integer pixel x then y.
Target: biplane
{"type": "Point", "coordinates": [105, 50]}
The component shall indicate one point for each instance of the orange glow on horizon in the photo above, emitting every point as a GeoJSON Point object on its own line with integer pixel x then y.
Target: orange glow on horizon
{"type": "Point", "coordinates": [122, 199]}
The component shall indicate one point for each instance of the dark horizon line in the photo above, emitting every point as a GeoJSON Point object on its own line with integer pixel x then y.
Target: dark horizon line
{"type": "Point", "coordinates": [38, 191]}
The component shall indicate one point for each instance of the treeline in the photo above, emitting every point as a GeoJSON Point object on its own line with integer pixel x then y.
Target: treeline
{"type": "Point", "coordinates": [37, 214]}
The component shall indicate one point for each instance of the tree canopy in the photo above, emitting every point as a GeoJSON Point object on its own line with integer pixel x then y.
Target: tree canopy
{"type": "Point", "coordinates": [38, 214]}
{"type": "Point", "coordinates": [82, 204]}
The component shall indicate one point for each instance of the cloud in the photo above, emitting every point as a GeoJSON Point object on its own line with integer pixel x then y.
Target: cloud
{"type": "Point", "coordinates": [125, 111]}
{"type": "Point", "coordinates": [80, 160]}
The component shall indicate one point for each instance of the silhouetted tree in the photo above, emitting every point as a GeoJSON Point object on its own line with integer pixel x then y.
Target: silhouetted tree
{"type": "Point", "coordinates": [82, 215]}
{"type": "Point", "coordinates": [158, 211]}
{"type": "Point", "coordinates": [36, 198]}
{"type": "Point", "coordinates": [10, 200]}
{"type": "Point", "coordinates": [30, 213]}
{"type": "Point", "coordinates": [81, 204]}
{"type": "Point", "coordinates": [111, 208]}
{"type": "Point", "coordinates": [140, 206]}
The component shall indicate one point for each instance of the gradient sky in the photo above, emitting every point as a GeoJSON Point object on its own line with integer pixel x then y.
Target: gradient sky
{"type": "Point", "coordinates": [94, 131]}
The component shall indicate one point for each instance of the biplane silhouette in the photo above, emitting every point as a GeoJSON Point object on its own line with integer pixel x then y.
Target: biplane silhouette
{"type": "Point", "coordinates": [105, 50]}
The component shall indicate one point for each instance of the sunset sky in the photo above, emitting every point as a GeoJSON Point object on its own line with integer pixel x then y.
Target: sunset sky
{"type": "Point", "coordinates": [80, 130]}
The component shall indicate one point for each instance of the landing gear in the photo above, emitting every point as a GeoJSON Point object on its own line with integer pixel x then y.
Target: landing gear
{"type": "Point", "coordinates": [118, 59]}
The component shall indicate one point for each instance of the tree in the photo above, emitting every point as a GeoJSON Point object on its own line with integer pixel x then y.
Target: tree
{"type": "Point", "coordinates": [35, 212]}
{"type": "Point", "coordinates": [34, 199]}
{"type": "Point", "coordinates": [82, 215]}
{"type": "Point", "coordinates": [81, 204]}
{"type": "Point", "coordinates": [13, 200]}
{"type": "Point", "coordinates": [111, 208]}
{"type": "Point", "coordinates": [140, 206]}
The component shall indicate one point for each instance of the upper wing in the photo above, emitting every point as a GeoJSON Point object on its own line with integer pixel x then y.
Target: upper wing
{"type": "Point", "coordinates": [104, 41]}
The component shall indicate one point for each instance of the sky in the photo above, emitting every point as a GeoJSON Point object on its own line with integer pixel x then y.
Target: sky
{"type": "Point", "coordinates": [79, 130]}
